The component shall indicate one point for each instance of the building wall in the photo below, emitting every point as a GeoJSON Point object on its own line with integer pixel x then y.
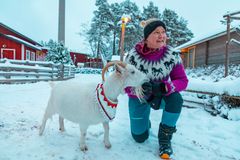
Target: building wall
{"type": "Point", "coordinates": [213, 51]}
{"type": "Point", "coordinates": [8, 45]}
{"type": "Point", "coordinates": [84, 59]}
{"type": "Point", "coordinates": [32, 56]}
{"type": "Point", "coordinates": [200, 54]}
{"type": "Point", "coordinates": [217, 50]}
{"type": "Point", "coordinates": [94, 63]}
{"type": "Point", "coordinates": [78, 58]}
{"type": "Point", "coordinates": [41, 55]}
{"type": "Point", "coordinates": [234, 56]}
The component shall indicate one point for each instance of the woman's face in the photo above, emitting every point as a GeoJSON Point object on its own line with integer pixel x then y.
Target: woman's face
{"type": "Point", "coordinates": [157, 38]}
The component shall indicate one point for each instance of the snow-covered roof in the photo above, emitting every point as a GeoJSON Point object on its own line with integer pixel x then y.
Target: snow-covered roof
{"type": "Point", "coordinates": [79, 52]}
{"type": "Point", "coordinates": [204, 38]}
{"type": "Point", "coordinates": [23, 42]}
{"type": "Point", "coordinates": [12, 30]}
{"type": "Point", "coordinates": [45, 47]}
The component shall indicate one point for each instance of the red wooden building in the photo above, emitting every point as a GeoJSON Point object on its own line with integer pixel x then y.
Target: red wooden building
{"type": "Point", "coordinates": [14, 45]}
{"type": "Point", "coordinates": [83, 60]}
{"type": "Point", "coordinates": [78, 58]}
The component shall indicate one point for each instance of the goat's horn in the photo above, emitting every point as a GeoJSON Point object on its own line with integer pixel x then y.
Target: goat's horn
{"type": "Point", "coordinates": [109, 64]}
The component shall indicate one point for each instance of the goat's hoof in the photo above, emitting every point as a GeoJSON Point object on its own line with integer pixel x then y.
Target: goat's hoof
{"type": "Point", "coordinates": [108, 145]}
{"type": "Point", "coordinates": [84, 148]}
{"type": "Point", "coordinates": [61, 129]}
{"type": "Point", "coordinates": [40, 132]}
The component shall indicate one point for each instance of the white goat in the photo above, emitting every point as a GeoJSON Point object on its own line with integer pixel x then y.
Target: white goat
{"type": "Point", "coordinates": [78, 103]}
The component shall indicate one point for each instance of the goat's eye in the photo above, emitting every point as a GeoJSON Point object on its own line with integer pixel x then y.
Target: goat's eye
{"type": "Point", "coordinates": [132, 72]}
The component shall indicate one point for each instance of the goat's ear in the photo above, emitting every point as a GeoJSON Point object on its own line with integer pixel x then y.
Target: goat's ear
{"type": "Point", "coordinates": [119, 69]}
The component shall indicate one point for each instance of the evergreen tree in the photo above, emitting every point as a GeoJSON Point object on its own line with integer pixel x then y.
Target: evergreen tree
{"type": "Point", "coordinates": [184, 34]}
{"type": "Point", "coordinates": [133, 32]}
{"type": "Point", "coordinates": [114, 26]}
{"type": "Point", "coordinates": [151, 11]}
{"type": "Point", "coordinates": [98, 33]}
{"type": "Point", "coordinates": [177, 30]}
{"type": "Point", "coordinates": [105, 30]}
{"type": "Point", "coordinates": [57, 53]}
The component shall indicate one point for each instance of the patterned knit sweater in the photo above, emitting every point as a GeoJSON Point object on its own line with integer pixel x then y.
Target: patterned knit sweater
{"type": "Point", "coordinates": [162, 65]}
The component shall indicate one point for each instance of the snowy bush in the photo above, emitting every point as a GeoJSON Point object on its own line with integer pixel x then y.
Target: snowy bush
{"type": "Point", "coordinates": [58, 53]}
{"type": "Point", "coordinates": [214, 72]}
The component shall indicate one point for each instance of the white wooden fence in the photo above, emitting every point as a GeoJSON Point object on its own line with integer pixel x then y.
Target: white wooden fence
{"type": "Point", "coordinates": [18, 71]}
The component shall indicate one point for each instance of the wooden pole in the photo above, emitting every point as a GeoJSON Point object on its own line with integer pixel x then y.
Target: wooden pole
{"type": "Point", "coordinates": [228, 18]}
{"type": "Point", "coordinates": [122, 40]}
{"type": "Point", "coordinates": [227, 45]}
{"type": "Point", "coordinates": [231, 14]}
{"type": "Point", "coordinates": [61, 21]}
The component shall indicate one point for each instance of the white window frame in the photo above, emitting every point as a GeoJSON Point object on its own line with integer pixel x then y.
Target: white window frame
{"type": "Point", "coordinates": [191, 58]}
{"type": "Point", "coordinates": [28, 55]}
{"type": "Point", "coordinates": [33, 56]}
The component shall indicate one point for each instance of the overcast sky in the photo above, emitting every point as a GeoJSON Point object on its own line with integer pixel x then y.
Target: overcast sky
{"type": "Point", "coordinates": [38, 19]}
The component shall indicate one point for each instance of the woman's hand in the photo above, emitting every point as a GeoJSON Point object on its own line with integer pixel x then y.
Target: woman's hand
{"type": "Point", "coordinates": [147, 90]}
{"type": "Point", "coordinates": [159, 89]}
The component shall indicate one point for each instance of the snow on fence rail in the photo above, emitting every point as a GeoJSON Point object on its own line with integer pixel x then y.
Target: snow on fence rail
{"type": "Point", "coordinates": [232, 100]}
{"type": "Point", "coordinates": [18, 71]}
{"type": "Point", "coordinates": [214, 94]}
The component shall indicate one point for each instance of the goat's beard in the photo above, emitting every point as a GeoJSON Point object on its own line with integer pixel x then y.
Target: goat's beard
{"type": "Point", "coordinates": [139, 93]}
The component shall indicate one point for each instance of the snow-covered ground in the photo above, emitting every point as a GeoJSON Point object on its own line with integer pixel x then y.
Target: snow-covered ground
{"type": "Point", "coordinates": [200, 136]}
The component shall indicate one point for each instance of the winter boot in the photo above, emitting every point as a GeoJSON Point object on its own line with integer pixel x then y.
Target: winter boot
{"type": "Point", "coordinates": [164, 138]}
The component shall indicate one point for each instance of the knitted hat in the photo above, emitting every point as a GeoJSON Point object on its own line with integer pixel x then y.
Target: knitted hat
{"type": "Point", "coordinates": [150, 25]}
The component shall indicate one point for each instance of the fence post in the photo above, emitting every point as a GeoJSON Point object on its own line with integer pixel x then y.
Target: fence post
{"type": "Point", "coordinates": [61, 71]}
{"type": "Point", "coordinates": [69, 71]}
{"type": "Point", "coordinates": [52, 66]}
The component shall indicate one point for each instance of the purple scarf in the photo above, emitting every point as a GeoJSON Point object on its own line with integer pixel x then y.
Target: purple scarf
{"type": "Point", "coordinates": [148, 53]}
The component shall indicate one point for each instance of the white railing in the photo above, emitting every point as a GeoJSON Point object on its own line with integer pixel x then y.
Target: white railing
{"type": "Point", "coordinates": [18, 71]}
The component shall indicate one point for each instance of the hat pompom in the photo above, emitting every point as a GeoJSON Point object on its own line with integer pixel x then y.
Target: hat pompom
{"type": "Point", "coordinates": [143, 23]}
